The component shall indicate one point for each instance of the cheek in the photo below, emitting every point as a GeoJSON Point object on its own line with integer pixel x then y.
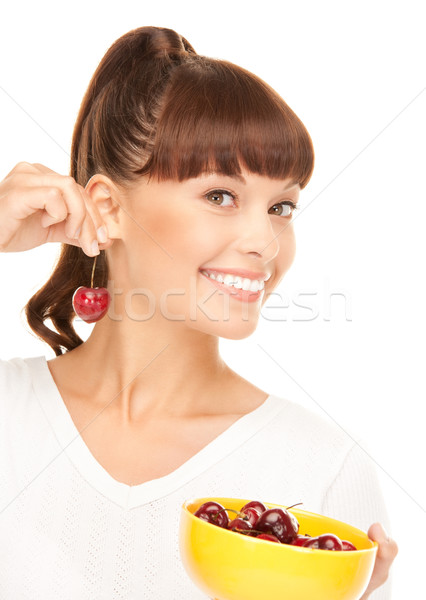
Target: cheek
{"type": "Point", "coordinates": [285, 256]}
{"type": "Point", "coordinates": [172, 243]}
{"type": "Point", "coordinates": [289, 250]}
{"type": "Point", "coordinates": [190, 238]}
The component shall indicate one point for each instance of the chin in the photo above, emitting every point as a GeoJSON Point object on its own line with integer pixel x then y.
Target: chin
{"type": "Point", "coordinates": [231, 329]}
{"type": "Point", "coordinates": [242, 336]}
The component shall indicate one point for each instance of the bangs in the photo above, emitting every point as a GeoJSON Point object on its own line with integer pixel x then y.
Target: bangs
{"type": "Point", "coordinates": [218, 117]}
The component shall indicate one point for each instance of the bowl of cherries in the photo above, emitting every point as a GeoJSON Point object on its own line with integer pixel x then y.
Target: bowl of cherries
{"type": "Point", "coordinates": [236, 549]}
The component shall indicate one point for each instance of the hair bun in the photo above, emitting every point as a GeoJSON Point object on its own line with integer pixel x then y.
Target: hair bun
{"type": "Point", "coordinates": [159, 42]}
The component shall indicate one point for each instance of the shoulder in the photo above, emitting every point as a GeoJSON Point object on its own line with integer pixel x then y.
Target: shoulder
{"type": "Point", "coordinates": [313, 442]}
{"type": "Point", "coordinates": [311, 427]}
{"type": "Point", "coordinates": [12, 372]}
{"type": "Point", "coordinates": [16, 379]}
{"type": "Point", "coordinates": [296, 452]}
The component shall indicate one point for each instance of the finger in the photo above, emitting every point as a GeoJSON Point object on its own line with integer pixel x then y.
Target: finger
{"type": "Point", "coordinates": [386, 554]}
{"type": "Point", "coordinates": [377, 533]}
{"type": "Point", "coordinates": [62, 199]}
{"type": "Point", "coordinates": [76, 206]}
{"type": "Point", "coordinates": [57, 233]}
{"type": "Point", "coordinates": [30, 168]}
{"type": "Point", "coordinates": [100, 227]}
{"type": "Point", "coordinates": [87, 238]}
{"type": "Point", "coordinates": [94, 230]}
{"type": "Point", "coordinates": [69, 189]}
{"type": "Point", "coordinates": [43, 169]}
{"type": "Point", "coordinates": [22, 167]}
{"type": "Point", "coordinates": [79, 204]}
{"type": "Point", "coordinates": [388, 548]}
{"type": "Point", "coordinates": [25, 201]}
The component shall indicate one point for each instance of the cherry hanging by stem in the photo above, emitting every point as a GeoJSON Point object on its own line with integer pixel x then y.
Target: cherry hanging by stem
{"type": "Point", "coordinates": [91, 304]}
{"type": "Point", "coordinates": [93, 271]}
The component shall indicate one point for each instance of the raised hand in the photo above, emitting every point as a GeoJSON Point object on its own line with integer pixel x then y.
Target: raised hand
{"type": "Point", "coordinates": [37, 206]}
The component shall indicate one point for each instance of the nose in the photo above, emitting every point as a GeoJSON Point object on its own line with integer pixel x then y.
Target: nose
{"type": "Point", "coordinates": [258, 237]}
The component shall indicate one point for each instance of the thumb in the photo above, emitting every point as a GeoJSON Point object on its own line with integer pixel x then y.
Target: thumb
{"type": "Point", "coordinates": [388, 548]}
{"type": "Point", "coordinates": [377, 533]}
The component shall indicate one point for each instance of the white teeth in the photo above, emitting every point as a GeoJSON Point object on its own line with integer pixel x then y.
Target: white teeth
{"type": "Point", "coordinates": [254, 285]}
{"type": "Point", "coordinates": [228, 280]}
{"type": "Point", "coordinates": [232, 280]}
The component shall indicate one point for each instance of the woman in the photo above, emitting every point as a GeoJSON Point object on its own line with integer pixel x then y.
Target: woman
{"type": "Point", "coordinates": [185, 172]}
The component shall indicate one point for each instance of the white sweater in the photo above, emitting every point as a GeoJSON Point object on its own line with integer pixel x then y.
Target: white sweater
{"type": "Point", "coordinates": [69, 531]}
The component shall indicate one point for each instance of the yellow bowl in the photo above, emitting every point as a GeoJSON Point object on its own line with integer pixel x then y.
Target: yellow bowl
{"type": "Point", "coordinates": [227, 565]}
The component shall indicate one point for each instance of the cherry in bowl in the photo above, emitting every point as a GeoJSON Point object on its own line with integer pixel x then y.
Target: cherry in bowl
{"type": "Point", "coordinates": [226, 565]}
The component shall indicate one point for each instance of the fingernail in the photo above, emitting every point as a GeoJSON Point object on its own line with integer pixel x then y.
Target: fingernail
{"type": "Point", "coordinates": [102, 234]}
{"type": "Point", "coordinates": [77, 233]}
{"type": "Point", "coordinates": [95, 247]}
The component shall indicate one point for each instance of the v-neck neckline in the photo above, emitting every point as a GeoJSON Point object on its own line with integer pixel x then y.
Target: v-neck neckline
{"type": "Point", "coordinates": [131, 496]}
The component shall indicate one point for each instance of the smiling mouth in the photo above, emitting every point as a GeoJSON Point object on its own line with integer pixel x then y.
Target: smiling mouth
{"type": "Point", "coordinates": [235, 281]}
{"type": "Point", "coordinates": [237, 293]}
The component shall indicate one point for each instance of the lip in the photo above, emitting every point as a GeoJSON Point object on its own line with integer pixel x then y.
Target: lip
{"type": "Point", "coordinates": [240, 272]}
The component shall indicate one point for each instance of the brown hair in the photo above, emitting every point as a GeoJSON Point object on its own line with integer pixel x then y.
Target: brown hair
{"type": "Point", "coordinates": [154, 107]}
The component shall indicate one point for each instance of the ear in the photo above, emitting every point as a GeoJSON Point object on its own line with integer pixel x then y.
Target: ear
{"type": "Point", "coordinates": [106, 196]}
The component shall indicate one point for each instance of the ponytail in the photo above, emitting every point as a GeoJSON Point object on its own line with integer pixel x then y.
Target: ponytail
{"type": "Point", "coordinates": [116, 116]}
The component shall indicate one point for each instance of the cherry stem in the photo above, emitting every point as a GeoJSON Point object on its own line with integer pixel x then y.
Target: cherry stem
{"type": "Point", "coordinates": [245, 531]}
{"type": "Point", "coordinates": [244, 516]}
{"type": "Point", "coordinates": [293, 505]}
{"type": "Point", "coordinates": [255, 531]}
{"type": "Point", "coordinates": [93, 271]}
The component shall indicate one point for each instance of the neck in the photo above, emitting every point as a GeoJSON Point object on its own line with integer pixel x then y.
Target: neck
{"type": "Point", "coordinates": [153, 368]}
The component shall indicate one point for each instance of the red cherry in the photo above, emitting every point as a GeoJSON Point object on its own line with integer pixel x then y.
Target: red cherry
{"type": "Point", "coordinates": [348, 546]}
{"type": "Point", "coordinates": [91, 304]}
{"type": "Point", "coordinates": [240, 525]}
{"type": "Point", "coordinates": [213, 513]}
{"type": "Point", "coordinates": [268, 536]}
{"type": "Point", "coordinates": [278, 522]}
{"type": "Point", "coordinates": [259, 506]}
{"type": "Point", "coordinates": [300, 540]}
{"type": "Point", "coordinates": [252, 514]}
{"type": "Point", "coordinates": [311, 543]}
{"type": "Point", "coordinates": [327, 541]}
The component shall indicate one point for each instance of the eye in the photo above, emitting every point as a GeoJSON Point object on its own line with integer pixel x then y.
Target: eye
{"type": "Point", "coordinates": [218, 197]}
{"type": "Point", "coordinates": [284, 209]}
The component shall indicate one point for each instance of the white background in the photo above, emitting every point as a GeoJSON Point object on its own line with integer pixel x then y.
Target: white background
{"type": "Point", "coordinates": [347, 337]}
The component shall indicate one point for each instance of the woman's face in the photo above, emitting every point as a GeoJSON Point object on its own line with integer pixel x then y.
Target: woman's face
{"type": "Point", "coordinates": [175, 234]}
